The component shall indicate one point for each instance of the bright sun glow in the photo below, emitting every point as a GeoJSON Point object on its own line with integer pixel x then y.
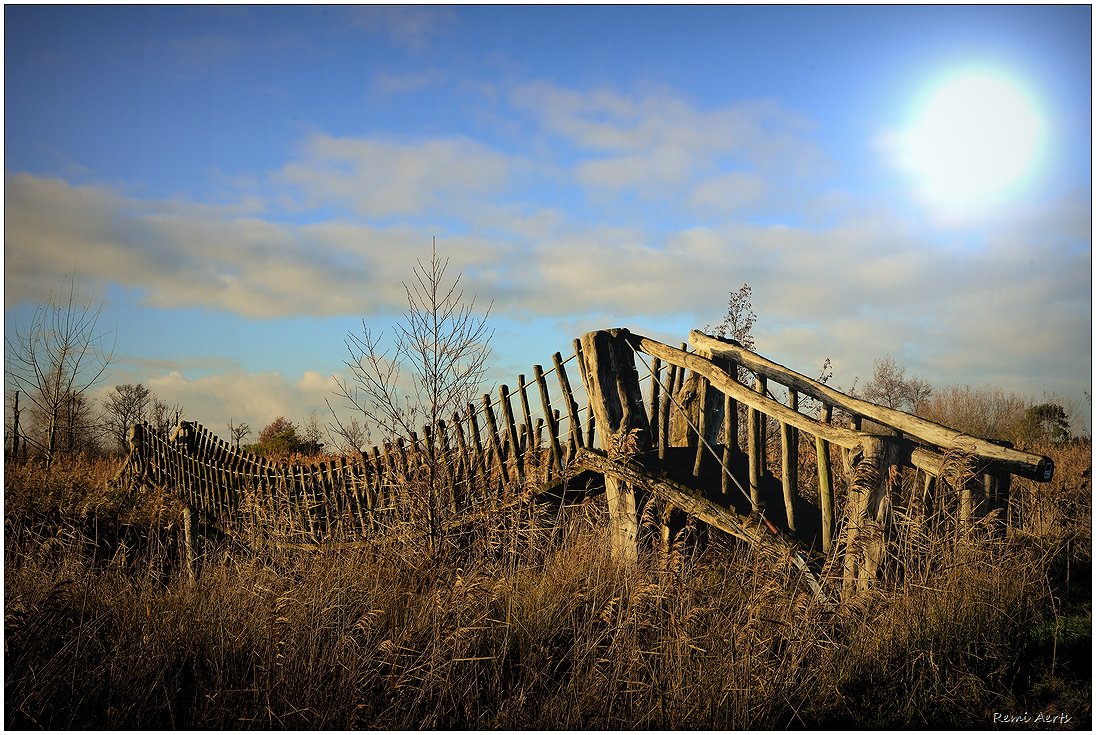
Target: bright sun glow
{"type": "Point", "coordinates": [976, 137]}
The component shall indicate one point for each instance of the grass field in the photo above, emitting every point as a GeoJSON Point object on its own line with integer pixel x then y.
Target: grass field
{"type": "Point", "coordinates": [527, 624]}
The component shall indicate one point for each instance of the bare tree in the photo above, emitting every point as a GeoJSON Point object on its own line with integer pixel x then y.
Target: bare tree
{"type": "Point", "coordinates": [55, 360]}
{"type": "Point", "coordinates": [890, 387]}
{"type": "Point", "coordinates": [436, 365]}
{"type": "Point", "coordinates": [238, 432]}
{"type": "Point", "coordinates": [350, 436]}
{"type": "Point", "coordinates": [124, 406]}
{"type": "Point", "coordinates": [163, 417]}
{"type": "Point", "coordinates": [434, 369]}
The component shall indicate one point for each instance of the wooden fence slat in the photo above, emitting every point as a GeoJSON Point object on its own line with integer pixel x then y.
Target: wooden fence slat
{"type": "Point", "coordinates": [730, 432]}
{"type": "Point", "coordinates": [449, 463]}
{"type": "Point", "coordinates": [754, 449]}
{"type": "Point", "coordinates": [763, 426]}
{"type": "Point", "coordinates": [825, 484]}
{"type": "Point", "coordinates": [463, 487]}
{"type": "Point", "coordinates": [555, 451]}
{"type": "Point", "coordinates": [667, 408]}
{"type": "Point", "coordinates": [527, 416]}
{"type": "Point", "coordinates": [468, 471]}
{"type": "Point", "coordinates": [789, 462]}
{"type": "Point", "coordinates": [428, 454]}
{"type": "Point", "coordinates": [403, 489]}
{"type": "Point", "coordinates": [512, 433]}
{"type": "Point", "coordinates": [480, 458]}
{"type": "Point", "coordinates": [380, 467]}
{"type": "Point", "coordinates": [569, 399]}
{"type": "Point", "coordinates": [585, 376]}
{"type": "Point", "coordinates": [701, 423]}
{"type": "Point", "coordinates": [656, 427]}
{"type": "Point", "coordinates": [493, 438]}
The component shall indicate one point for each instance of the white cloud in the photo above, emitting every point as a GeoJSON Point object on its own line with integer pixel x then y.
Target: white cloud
{"type": "Point", "coordinates": [853, 283]}
{"type": "Point", "coordinates": [253, 397]}
{"type": "Point", "coordinates": [382, 178]}
{"type": "Point", "coordinates": [658, 141]}
{"type": "Point", "coordinates": [180, 255]}
{"type": "Point", "coordinates": [732, 191]}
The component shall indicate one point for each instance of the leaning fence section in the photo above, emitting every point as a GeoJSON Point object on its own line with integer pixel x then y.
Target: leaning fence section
{"type": "Point", "coordinates": [619, 405]}
{"type": "Point", "coordinates": [490, 453]}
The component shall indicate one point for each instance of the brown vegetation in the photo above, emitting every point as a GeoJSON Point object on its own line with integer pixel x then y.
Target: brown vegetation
{"type": "Point", "coordinates": [527, 623]}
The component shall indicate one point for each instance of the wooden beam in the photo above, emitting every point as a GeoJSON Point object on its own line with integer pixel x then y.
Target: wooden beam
{"type": "Point", "coordinates": [1028, 465]}
{"type": "Point", "coordinates": [754, 530]}
{"type": "Point", "coordinates": [752, 399]}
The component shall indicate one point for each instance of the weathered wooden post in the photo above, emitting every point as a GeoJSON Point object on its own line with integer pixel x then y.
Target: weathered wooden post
{"type": "Point", "coordinates": [555, 450]}
{"type": "Point", "coordinates": [622, 423]}
{"type": "Point", "coordinates": [825, 484]}
{"type": "Point", "coordinates": [189, 538]}
{"type": "Point", "coordinates": [665, 410]}
{"type": "Point", "coordinates": [868, 513]}
{"type": "Point", "coordinates": [789, 461]}
{"type": "Point", "coordinates": [653, 414]}
{"type": "Point", "coordinates": [755, 448]}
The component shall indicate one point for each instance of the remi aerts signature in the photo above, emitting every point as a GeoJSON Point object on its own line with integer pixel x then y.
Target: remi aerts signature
{"type": "Point", "coordinates": [1038, 718]}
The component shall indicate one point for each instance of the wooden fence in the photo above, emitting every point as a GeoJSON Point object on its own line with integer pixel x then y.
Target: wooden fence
{"type": "Point", "coordinates": [486, 456]}
{"type": "Point", "coordinates": [699, 440]}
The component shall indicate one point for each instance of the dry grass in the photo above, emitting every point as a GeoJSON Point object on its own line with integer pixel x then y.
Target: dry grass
{"type": "Point", "coordinates": [526, 624]}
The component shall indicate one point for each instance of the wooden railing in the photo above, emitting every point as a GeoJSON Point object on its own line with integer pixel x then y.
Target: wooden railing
{"type": "Point", "coordinates": [871, 457]}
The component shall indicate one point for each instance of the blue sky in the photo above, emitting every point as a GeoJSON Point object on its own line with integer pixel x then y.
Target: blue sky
{"type": "Point", "coordinates": [246, 184]}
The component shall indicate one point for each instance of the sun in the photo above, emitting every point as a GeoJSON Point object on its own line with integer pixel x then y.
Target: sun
{"type": "Point", "coordinates": [975, 138]}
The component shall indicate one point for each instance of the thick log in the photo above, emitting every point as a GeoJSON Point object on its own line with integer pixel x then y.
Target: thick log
{"type": "Point", "coordinates": [757, 532]}
{"type": "Point", "coordinates": [686, 412]}
{"type": "Point", "coordinates": [966, 503]}
{"type": "Point", "coordinates": [623, 425]}
{"type": "Point", "coordinates": [1031, 466]}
